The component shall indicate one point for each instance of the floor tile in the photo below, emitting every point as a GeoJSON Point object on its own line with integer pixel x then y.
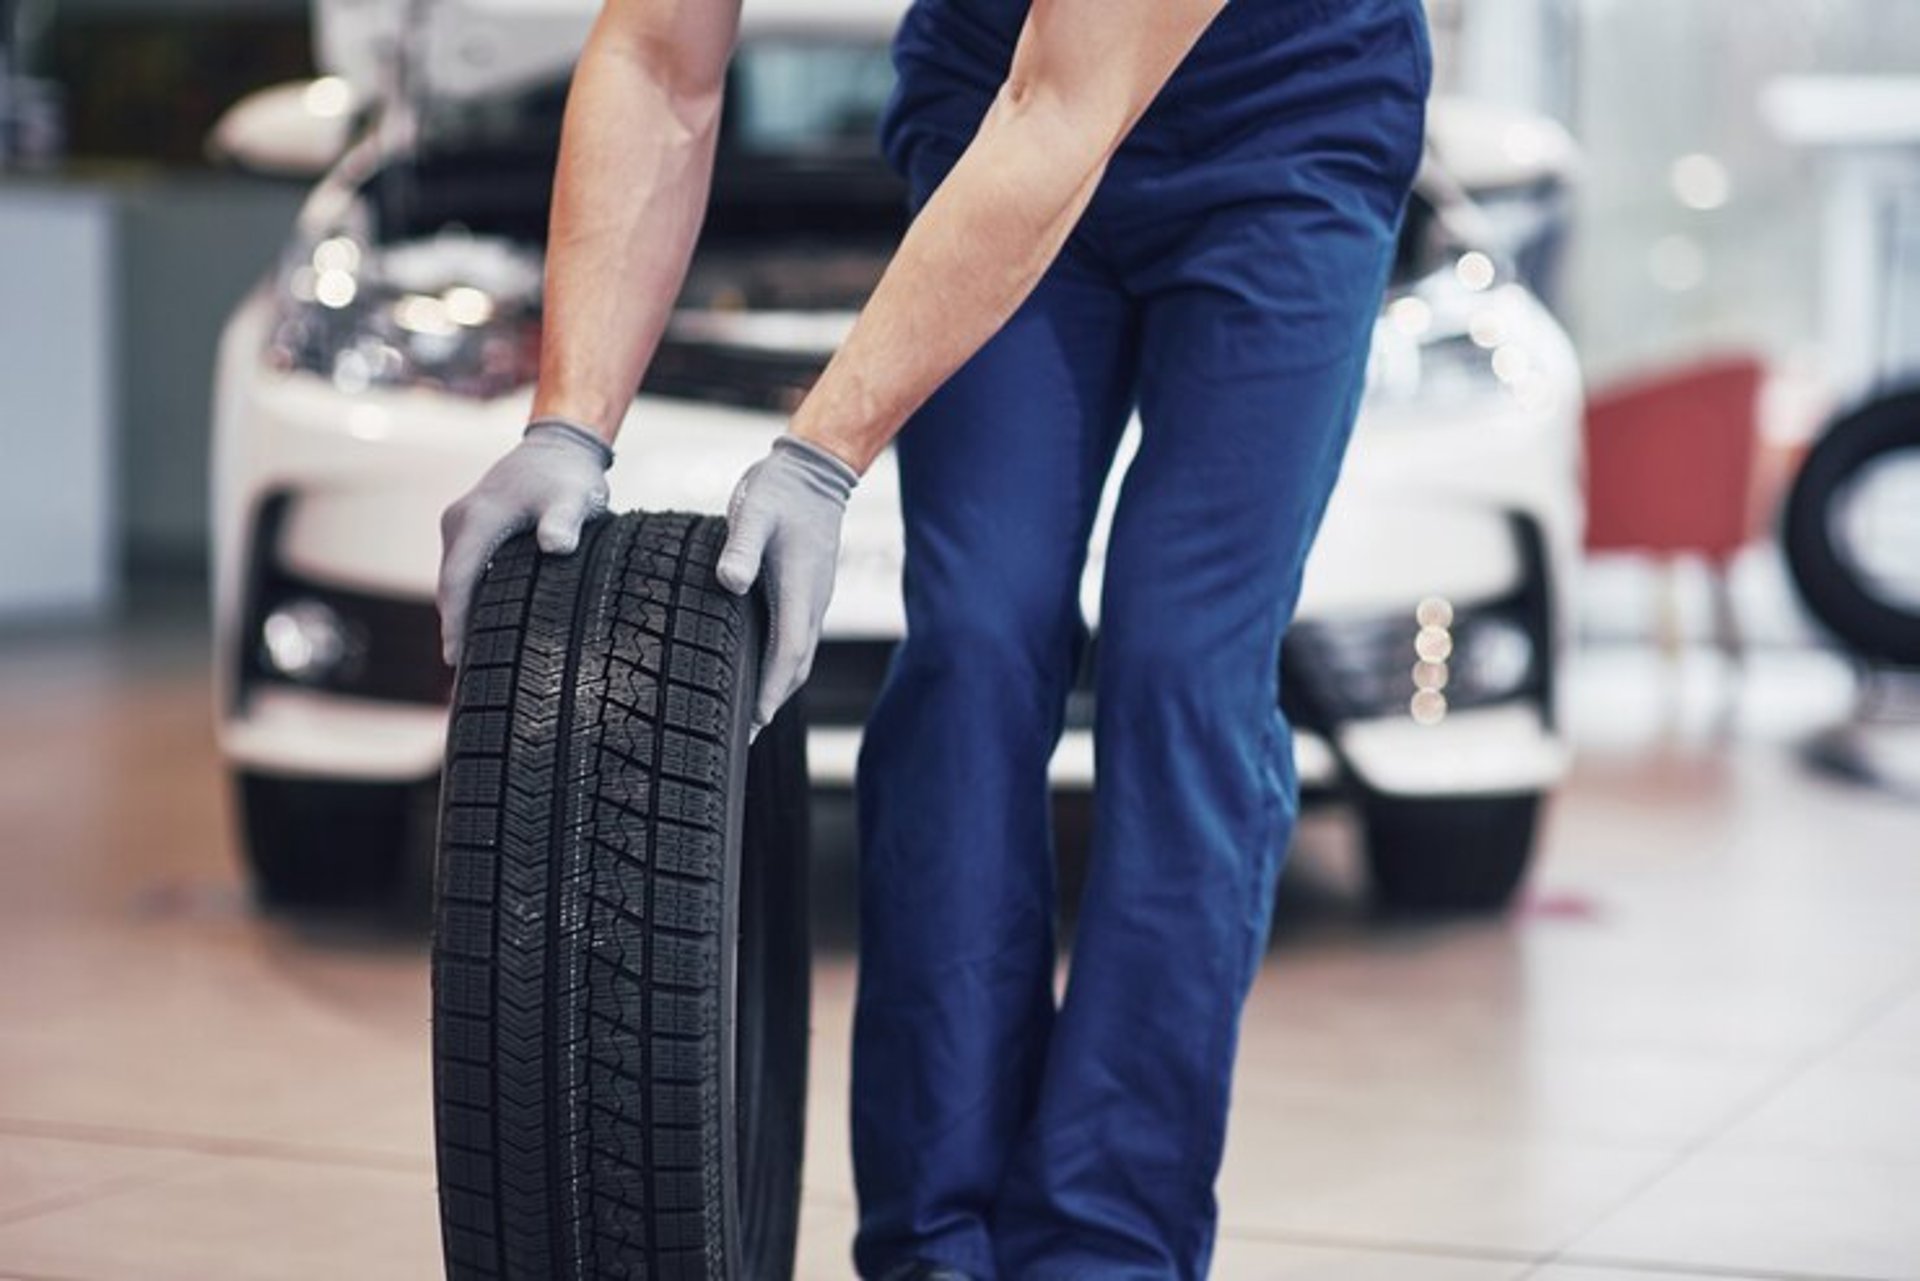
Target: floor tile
{"type": "Point", "coordinates": [1734, 1208]}
{"type": "Point", "coordinates": [391, 1126]}
{"type": "Point", "coordinates": [39, 1172]}
{"type": "Point", "coordinates": [1888, 1042]}
{"type": "Point", "coordinates": [1585, 1272]}
{"type": "Point", "coordinates": [227, 1217]}
{"type": "Point", "coordinates": [829, 1161]}
{"type": "Point", "coordinates": [826, 1241]}
{"type": "Point", "coordinates": [219, 1030]}
{"type": "Point", "coordinates": [1836, 1110]}
{"type": "Point", "coordinates": [1386, 1181]}
{"type": "Point", "coordinates": [1432, 1060]}
{"type": "Point", "coordinates": [1239, 1259]}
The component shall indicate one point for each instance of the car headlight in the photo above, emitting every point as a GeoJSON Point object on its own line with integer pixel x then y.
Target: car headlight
{"type": "Point", "coordinates": [454, 312]}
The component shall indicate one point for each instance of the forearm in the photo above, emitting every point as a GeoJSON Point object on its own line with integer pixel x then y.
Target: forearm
{"type": "Point", "coordinates": [1082, 74]}
{"type": "Point", "coordinates": [977, 249]}
{"type": "Point", "coordinates": [630, 190]}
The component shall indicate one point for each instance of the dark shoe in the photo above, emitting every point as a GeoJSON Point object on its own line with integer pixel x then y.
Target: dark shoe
{"type": "Point", "coordinates": [922, 1270]}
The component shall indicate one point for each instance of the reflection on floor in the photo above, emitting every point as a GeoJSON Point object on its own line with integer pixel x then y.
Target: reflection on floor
{"type": "Point", "coordinates": [1694, 1050]}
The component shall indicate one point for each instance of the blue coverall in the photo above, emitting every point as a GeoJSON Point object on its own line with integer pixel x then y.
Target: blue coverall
{"type": "Point", "coordinates": [1224, 280]}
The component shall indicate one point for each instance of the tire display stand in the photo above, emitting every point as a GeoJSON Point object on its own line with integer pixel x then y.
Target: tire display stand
{"type": "Point", "coordinates": [620, 955]}
{"type": "Point", "coordinates": [1877, 619]}
{"type": "Point", "coordinates": [1864, 596]}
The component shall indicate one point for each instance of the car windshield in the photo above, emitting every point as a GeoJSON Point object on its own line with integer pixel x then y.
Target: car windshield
{"type": "Point", "coordinates": [807, 99]}
{"type": "Point", "coordinates": [789, 98]}
{"type": "Point", "coordinates": [798, 152]}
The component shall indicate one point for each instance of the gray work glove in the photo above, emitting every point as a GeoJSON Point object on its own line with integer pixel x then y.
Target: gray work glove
{"type": "Point", "coordinates": [554, 481]}
{"type": "Point", "coordinates": [785, 517]}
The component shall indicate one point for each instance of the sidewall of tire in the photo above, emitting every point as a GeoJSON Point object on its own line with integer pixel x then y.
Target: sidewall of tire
{"type": "Point", "coordinates": [775, 1009]}
{"type": "Point", "coordinates": [330, 843]}
{"type": "Point", "coordinates": [1443, 855]}
{"type": "Point", "coordinates": [1827, 582]}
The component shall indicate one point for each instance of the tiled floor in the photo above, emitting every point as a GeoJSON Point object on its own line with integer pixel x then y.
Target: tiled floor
{"type": "Point", "coordinates": [1694, 1052]}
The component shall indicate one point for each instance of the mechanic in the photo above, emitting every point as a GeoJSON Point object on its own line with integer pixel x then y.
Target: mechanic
{"type": "Point", "coordinates": [1184, 207]}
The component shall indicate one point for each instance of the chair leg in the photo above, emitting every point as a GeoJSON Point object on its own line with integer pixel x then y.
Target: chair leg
{"type": "Point", "coordinates": [1728, 633]}
{"type": "Point", "coordinates": [1730, 638]}
{"type": "Point", "coordinates": [1667, 625]}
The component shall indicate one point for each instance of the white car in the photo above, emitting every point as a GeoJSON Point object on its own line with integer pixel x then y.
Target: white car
{"type": "Point", "coordinates": [368, 381]}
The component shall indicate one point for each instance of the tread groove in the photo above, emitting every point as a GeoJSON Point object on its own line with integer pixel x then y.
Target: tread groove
{"type": "Point", "coordinates": [648, 1117]}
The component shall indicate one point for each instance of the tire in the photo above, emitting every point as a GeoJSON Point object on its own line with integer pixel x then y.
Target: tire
{"type": "Point", "coordinates": [1832, 585]}
{"type": "Point", "coordinates": [323, 843]}
{"type": "Point", "coordinates": [1448, 855]}
{"type": "Point", "coordinates": [620, 959]}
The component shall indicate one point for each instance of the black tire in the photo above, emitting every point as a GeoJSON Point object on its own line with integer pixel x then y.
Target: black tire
{"type": "Point", "coordinates": [620, 962]}
{"type": "Point", "coordinates": [1829, 581]}
{"type": "Point", "coordinates": [325, 843]}
{"type": "Point", "coordinates": [1448, 855]}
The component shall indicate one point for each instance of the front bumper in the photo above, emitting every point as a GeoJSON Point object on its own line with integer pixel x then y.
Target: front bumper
{"type": "Point", "coordinates": [1490, 751]}
{"type": "Point", "coordinates": [316, 493]}
{"type": "Point", "coordinates": [314, 734]}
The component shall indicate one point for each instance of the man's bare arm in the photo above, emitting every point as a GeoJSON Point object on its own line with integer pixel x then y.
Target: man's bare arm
{"type": "Point", "coordinates": [1083, 71]}
{"type": "Point", "coordinates": [630, 190]}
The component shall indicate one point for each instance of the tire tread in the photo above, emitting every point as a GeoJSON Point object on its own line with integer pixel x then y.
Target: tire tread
{"type": "Point", "coordinates": [578, 927]}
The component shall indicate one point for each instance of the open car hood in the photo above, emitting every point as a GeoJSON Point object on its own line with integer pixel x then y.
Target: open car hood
{"type": "Point", "coordinates": [470, 48]}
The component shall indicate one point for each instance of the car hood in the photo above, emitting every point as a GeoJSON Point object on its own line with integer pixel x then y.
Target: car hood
{"type": "Point", "coordinates": [469, 48]}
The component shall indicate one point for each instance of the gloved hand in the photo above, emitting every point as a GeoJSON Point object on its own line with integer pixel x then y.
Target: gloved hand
{"type": "Point", "coordinates": [554, 480]}
{"type": "Point", "coordinates": [785, 517]}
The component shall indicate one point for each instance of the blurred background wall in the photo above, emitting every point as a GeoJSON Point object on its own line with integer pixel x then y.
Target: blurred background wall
{"type": "Point", "coordinates": [152, 246]}
{"type": "Point", "coordinates": [1695, 226]}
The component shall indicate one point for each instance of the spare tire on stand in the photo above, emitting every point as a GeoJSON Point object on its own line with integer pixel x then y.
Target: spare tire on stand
{"type": "Point", "coordinates": [1867, 595]}
{"type": "Point", "coordinates": [620, 958]}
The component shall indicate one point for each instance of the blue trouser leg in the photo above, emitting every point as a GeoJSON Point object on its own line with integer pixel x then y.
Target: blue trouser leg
{"type": "Point", "coordinates": [1194, 808]}
{"type": "Point", "coordinates": [1001, 473]}
{"type": "Point", "coordinates": [1227, 273]}
{"type": "Point", "coordinates": [1259, 268]}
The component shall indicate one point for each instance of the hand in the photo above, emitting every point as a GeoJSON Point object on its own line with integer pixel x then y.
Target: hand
{"type": "Point", "coordinates": [785, 516]}
{"type": "Point", "coordinates": [554, 480]}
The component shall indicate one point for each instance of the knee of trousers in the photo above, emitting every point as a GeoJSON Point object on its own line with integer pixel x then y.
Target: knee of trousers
{"type": "Point", "coordinates": [1151, 676]}
{"type": "Point", "coordinates": [989, 658]}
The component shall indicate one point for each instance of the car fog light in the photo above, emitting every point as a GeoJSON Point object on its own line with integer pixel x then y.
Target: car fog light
{"type": "Point", "coordinates": [1434, 611]}
{"type": "Point", "coordinates": [1493, 657]}
{"type": "Point", "coordinates": [1433, 644]}
{"type": "Point", "coordinates": [304, 640]}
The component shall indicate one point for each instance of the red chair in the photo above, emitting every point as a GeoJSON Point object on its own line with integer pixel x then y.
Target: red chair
{"type": "Point", "coordinates": [1670, 471]}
